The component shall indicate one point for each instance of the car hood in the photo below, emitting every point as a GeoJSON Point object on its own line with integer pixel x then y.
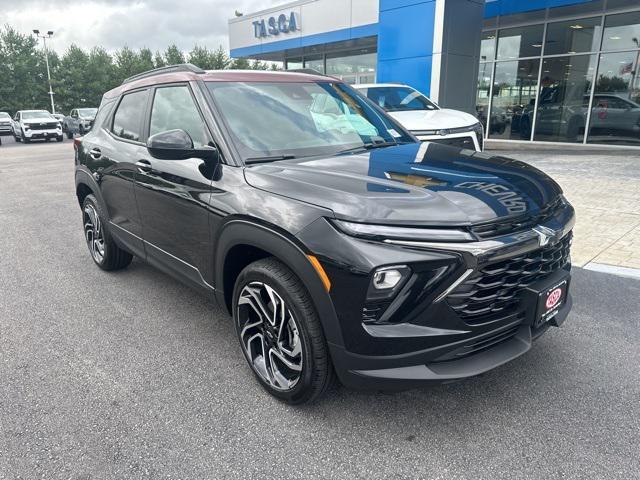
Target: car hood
{"type": "Point", "coordinates": [412, 184]}
{"type": "Point", "coordinates": [433, 119]}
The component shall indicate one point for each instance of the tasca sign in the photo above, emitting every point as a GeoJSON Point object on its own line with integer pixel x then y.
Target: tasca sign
{"type": "Point", "coordinates": [276, 25]}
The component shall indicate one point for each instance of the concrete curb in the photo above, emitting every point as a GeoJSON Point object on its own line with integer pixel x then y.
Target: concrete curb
{"type": "Point", "coordinates": [614, 270]}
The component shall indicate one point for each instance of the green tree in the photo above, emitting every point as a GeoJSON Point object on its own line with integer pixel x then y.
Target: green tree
{"type": "Point", "coordinates": [158, 60]}
{"type": "Point", "coordinates": [173, 55]}
{"type": "Point", "coordinates": [201, 57]}
{"type": "Point", "coordinates": [145, 59]}
{"type": "Point", "coordinates": [71, 80]}
{"type": "Point", "coordinates": [23, 74]}
{"type": "Point", "coordinates": [221, 60]}
{"type": "Point", "coordinates": [240, 64]}
{"type": "Point", "coordinates": [127, 63]}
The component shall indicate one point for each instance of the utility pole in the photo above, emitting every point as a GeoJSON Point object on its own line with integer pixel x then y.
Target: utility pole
{"type": "Point", "coordinates": [46, 60]}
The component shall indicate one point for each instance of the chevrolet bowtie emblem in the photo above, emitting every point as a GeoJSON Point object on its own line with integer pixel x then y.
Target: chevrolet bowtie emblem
{"type": "Point", "coordinates": [545, 234]}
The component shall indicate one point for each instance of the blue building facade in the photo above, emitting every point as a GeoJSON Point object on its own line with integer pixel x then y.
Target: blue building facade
{"type": "Point", "coordinates": [531, 70]}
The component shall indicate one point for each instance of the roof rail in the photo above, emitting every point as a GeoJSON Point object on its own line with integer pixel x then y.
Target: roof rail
{"type": "Point", "coordinates": [183, 67]}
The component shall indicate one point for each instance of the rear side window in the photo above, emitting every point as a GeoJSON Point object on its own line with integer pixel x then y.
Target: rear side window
{"type": "Point", "coordinates": [174, 108]}
{"type": "Point", "coordinates": [127, 121]}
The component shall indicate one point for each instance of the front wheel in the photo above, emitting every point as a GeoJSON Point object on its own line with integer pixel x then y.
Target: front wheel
{"type": "Point", "coordinates": [104, 251]}
{"type": "Point", "coordinates": [280, 332]}
{"type": "Point", "coordinates": [69, 134]}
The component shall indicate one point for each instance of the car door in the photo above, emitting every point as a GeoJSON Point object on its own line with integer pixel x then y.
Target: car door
{"type": "Point", "coordinates": [173, 194]}
{"type": "Point", "coordinates": [114, 150]}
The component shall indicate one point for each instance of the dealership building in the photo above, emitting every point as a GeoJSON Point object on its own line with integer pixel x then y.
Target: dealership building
{"type": "Point", "coordinates": [530, 70]}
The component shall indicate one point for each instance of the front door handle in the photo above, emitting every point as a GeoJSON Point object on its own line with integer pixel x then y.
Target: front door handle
{"type": "Point", "coordinates": [144, 166]}
{"type": "Point", "coordinates": [95, 153]}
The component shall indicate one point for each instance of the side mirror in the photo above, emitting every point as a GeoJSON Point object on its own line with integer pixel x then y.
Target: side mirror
{"type": "Point", "coordinates": [177, 145]}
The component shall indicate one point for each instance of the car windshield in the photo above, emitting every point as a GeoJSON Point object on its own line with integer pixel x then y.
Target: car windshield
{"type": "Point", "coordinates": [87, 112]}
{"type": "Point", "coordinates": [36, 115]}
{"type": "Point", "coordinates": [275, 120]}
{"type": "Point", "coordinates": [399, 99]}
{"type": "Point", "coordinates": [4, 115]}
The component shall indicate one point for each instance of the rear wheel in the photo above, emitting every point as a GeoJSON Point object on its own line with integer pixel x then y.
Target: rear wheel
{"type": "Point", "coordinates": [104, 251]}
{"type": "Point", "coordinates": [280, 332]}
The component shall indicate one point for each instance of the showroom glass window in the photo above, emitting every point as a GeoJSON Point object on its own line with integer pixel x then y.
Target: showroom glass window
{"type": "Point", "coordinates": [587, 87]}
{"type": "Point", "coordinates": [520, 42]}
{"type": "Point", "coordinates": [359, 68]}
{"type": "Point", "coordinates": [316, 62]}
{"type": "Point", "coordinates": [615, 112]}
{"type": "Point", "coordinates": [563, 102]}
{"type": "Point", "coordinates": [515, 85]}
{"type": "Point", "coordinates": [573, 36]}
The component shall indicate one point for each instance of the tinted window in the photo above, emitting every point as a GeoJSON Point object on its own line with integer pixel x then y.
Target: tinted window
{"type": "Point", "coordinates": [173, 108]}
{"type": "Point", "coordinates": [127, 121]}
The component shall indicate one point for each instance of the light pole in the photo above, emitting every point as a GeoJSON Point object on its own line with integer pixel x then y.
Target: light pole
{"type": "Point", "coordinates": [46, 60]}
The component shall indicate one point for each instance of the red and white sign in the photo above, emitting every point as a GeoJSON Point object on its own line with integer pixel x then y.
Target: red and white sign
{"type": "Point", "coordinates": [553, 298]}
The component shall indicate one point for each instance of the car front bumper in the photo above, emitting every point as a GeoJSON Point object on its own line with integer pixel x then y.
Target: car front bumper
{"type": "Point", "coordinates": [50, 133]}
{"type": "Point", "coordinates": [435, 366]}
{"type": "Point", "coordinates": [431, 331]}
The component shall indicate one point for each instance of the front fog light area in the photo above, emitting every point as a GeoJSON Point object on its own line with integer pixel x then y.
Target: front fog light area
{"type": "Point", "coordinates": [383, 279]}
{"type": "Point", "coordinates": [386, 281]}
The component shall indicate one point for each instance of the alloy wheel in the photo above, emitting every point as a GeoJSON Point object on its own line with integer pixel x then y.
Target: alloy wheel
{"type": "Point", "coordinates": [270, 336]}
{"type": "Point", "coordinates": [93, 233]}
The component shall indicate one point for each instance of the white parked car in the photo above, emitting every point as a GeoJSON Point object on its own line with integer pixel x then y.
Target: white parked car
{"type": "Point", "coordinates": [424, 118]}
{"type": "Point", "coordinates": [35, 124]}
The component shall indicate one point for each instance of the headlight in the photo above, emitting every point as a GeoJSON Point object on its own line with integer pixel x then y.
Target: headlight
{"type": "Point", "coordinates": [382, 232]}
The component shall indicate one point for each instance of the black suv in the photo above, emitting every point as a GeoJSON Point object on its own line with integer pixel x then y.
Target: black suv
{"type": "Point", "coordinates": [339, 243]}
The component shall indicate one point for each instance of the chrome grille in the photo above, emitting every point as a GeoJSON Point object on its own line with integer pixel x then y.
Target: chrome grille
{"type": "Point", "coordinates": [493, 290]}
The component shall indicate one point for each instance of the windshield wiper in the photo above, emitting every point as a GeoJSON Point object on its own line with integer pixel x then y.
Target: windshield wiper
{"type": "Point", "coordinates": [268, 158]}
{"type": "Point", "coordinates": [371, 146]}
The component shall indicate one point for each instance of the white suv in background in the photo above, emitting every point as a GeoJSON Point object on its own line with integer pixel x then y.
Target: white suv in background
{"type": "Point", "coordinates": [424, 118]}
{"type": "Point", "coordinates": [35, 124]}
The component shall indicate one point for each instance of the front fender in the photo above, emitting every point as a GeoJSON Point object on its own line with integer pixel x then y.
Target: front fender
{"type": "Point", "coordinates": [291, 253]}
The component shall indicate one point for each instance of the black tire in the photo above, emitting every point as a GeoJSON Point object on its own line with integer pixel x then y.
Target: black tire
{"type": "Point", "coordinates": [59, 138]}
{"type": "Point", "coordinates": [112, 257]}
{"type": "Point", "coordinates": [69, 134]}
{"type": "Point", "coordinates": [316, 373]}
{"type": "Point", "coordinates": [81, 130]}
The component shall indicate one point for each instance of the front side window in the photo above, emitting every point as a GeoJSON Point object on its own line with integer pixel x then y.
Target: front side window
{"type": "Point", "coordinates": [300, 119]}
{"type": "Point", "coordinates": [174, 108]}
{"type": "Point", "coordinates": [127, 121]}
{"type": "Point", "coordinates": [399, 99]}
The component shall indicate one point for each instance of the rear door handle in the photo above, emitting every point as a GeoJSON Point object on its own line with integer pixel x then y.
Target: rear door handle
{"type": "Point", "coordinates": [144, 166]}
{"type": "Point", "coordinates": [95, 153]}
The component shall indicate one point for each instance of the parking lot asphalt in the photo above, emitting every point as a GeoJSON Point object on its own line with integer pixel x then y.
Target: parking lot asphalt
{"type": "Point", "coordinates": [132, 375]}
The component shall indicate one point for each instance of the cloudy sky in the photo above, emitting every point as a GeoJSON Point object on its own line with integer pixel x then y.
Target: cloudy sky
{"type": "Point", "coordinates": [137, 23]}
